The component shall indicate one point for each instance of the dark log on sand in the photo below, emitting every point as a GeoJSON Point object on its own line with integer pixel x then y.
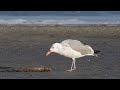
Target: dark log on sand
{"type": "Point", "coordinates": [27, 69]}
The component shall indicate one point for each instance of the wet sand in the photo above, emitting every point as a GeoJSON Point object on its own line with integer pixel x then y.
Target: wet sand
{"type": "Point", "coordinates": [26, 46]}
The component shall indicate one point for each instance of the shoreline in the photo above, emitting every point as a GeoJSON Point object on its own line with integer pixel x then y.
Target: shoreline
{"type": "Point", "coordinates": [62, 25]}
{"type": "Point", "coordinates": [70, 31]}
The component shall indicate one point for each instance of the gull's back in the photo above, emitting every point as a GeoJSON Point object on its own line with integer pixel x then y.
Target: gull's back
{"type": "Point", "coordinates": [77, 46]}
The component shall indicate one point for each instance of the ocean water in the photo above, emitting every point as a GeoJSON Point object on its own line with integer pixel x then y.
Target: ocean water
{"type": "Point", "coordinates": [59, 17]}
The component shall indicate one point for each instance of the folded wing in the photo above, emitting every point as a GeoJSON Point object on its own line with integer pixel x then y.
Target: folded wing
{"type": "Point", "coordinates": [77, 46]}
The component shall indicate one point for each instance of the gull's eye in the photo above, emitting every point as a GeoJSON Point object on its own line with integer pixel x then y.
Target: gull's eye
{"type": "Point", "coordinates": [52, 47]}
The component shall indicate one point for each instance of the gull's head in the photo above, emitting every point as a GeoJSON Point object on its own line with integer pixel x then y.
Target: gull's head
{"type": "Point", "coordinates": [54, 48]}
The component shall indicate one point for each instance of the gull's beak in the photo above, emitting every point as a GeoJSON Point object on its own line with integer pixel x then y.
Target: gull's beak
{"type": "Point", "coordinates": [48, 53]}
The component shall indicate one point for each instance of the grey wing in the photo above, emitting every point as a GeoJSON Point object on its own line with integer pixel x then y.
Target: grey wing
{"type": "Point", "coordinates": [77, 46]}
{"type": "Point", "coordinates": [71, 42]}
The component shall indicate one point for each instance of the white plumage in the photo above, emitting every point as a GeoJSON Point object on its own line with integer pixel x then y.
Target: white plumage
{"type": "Point", "coordinates": [71, 49]}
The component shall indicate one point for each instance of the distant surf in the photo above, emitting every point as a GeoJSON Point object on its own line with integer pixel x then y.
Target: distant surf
{"type": "Point", "coordinates": [65, 18]}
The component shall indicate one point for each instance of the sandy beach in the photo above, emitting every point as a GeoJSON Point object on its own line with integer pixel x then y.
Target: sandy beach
{"type": "Point", "coordinates": [26, 46]}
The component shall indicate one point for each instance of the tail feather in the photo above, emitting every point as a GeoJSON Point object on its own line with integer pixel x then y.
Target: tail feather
{"type": "Point", "coordinates": [96, 51]}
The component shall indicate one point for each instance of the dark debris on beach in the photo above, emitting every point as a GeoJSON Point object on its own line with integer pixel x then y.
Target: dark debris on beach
{"type": "Point", "coordinates": [27, 69]}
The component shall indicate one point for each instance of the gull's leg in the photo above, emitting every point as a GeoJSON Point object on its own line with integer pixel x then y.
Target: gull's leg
{"type": "Point", "coordinates": [71, 67]}
{"type": "Point", "coordinates": [74, 64]}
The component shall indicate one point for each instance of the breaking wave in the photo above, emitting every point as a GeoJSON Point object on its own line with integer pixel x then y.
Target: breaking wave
{"type": "Point", "coordinates": [54, 22]}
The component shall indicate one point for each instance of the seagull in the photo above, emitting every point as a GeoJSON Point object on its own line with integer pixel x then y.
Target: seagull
{"type": "Point", "coordinates": [72, 49]}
